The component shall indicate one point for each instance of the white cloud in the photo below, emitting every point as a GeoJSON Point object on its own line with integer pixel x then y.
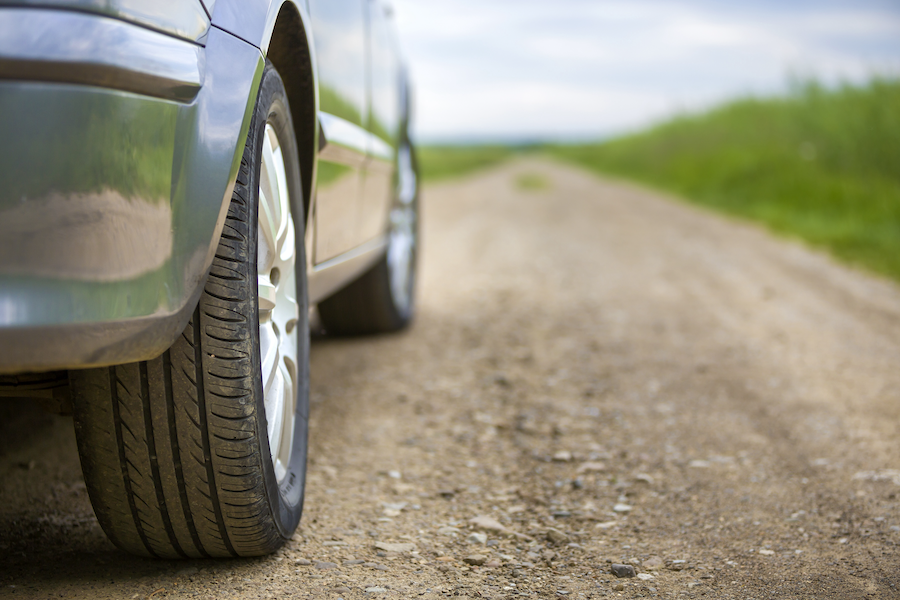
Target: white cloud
{"type": "Point", "coordinates": [585, 67]}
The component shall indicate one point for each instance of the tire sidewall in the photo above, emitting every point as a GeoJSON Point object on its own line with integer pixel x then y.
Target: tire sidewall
{"type": "Point", "coordinates": [285, 499]}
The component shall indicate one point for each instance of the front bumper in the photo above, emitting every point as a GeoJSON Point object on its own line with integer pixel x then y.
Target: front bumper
{"type": "Point", "coordinates": [119, 152]}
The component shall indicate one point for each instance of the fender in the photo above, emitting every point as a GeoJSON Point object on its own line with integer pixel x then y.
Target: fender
{"type": "Point", "coordinates": [282, 30]}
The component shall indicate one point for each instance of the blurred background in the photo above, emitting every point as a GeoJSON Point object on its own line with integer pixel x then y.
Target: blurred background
{"type": "Point", "coordinates": [500, 71]}
{"type": "Point", "coordinates": [785, 112]}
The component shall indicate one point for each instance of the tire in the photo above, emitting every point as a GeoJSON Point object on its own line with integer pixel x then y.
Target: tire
{"type": "Point", "coordinates": [176, 451]}
{"type": "Point", "coordinates": [382, 300]}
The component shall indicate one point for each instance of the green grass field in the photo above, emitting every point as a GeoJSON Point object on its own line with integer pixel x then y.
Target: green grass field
{"type": "Point", "coordinates": [820, 164]}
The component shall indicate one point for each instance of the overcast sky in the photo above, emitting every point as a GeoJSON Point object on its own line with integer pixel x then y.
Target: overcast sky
{"type": "Point", "coordinates": [536, 69]}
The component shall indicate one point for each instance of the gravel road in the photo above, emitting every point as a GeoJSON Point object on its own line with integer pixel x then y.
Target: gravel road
{"type": "Point", "coordinates": [600, 380]}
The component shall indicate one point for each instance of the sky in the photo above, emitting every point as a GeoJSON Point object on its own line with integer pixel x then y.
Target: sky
{"type": "Point", "coordinates": [533, 70]}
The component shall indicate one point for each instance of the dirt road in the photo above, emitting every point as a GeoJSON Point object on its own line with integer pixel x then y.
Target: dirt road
{"type": "Point", "coordinates": [603, 376]}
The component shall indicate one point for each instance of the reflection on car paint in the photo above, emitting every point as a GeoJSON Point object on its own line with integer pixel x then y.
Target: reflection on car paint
{"type": "Point", "coordinates": [183, 18]}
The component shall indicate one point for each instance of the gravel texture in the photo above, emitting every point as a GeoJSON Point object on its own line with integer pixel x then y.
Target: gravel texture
{"type": "Point", "coordinates": [597, 376]}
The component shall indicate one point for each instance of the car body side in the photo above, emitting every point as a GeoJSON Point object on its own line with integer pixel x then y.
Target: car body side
{"type": "Point", "coordinates": [118, 165]}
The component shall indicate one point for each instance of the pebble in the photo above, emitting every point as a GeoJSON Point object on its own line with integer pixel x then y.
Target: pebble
{"type": "Point", "coordinates": [452, 531]}
{"type": "Point", "coordinates": [556, 536]}
{"type": "Point", "coordinates": [475, 559]}
{"type": "Point", "coordinates": [302, 562]}
{"type": "Point", "coordinates": [375, 590]}
{"type": "Point", "coordinates": [622, 570]}
{"type": "Point", "coordinates": [325, 565]}
{"type": "Point", "coordinates": [765, 552]}
{"type": "Point", "coordinates": [654, 563]}
{"type": "Point", "coordinates": [341, 590]}
{"type": "Point", "coordinates": [591, 467]}
{"type": "Point", "coordinates": [643, 478]}
{"type": "Point", "coordinates": [487, 523]}
{"type": "Point", "coordinates": [398, 547]}
{"type": "Point", "coordinates": [356, 561]}
{"type": "Point", "coordinates": [619, 587]}
{"type": "Point", "coordinates": [622, 507]}
{"type": "Point", "coordinates": [493, 563]}
{"type": "Point", "coordinates": [562, 456]}
{"type": "Point", "coordinates": [477, 538]}
{"type": "Point", "coordinates": [644, 576]}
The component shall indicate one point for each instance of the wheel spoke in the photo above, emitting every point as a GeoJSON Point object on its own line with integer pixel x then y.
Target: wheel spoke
{"type": "Point", "coordinates": [267, 294]}
{"type": "Point", "coordinates": [288, 406]}
{"type": "Point", "coordinates": [268, 231]}
{"type": "Point", "coordinates": [268, 353]}
{"type": "Point", "coordinates": [275, 396]}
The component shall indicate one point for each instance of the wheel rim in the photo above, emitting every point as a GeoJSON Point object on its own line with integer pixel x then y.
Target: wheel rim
{"type": "Point", "coordinates": [402, 242]}
{"type": "Point", "coordinates": [278, 307]}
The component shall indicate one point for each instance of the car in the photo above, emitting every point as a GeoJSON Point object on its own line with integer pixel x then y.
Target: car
{"type": "Point", "coordinates": [184, 183]}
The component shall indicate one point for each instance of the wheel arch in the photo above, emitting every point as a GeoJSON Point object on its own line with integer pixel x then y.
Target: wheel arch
{"type": "Point", "coordinates": [289, 47]}
{"type": "Point", "coordinates": [282, 30]}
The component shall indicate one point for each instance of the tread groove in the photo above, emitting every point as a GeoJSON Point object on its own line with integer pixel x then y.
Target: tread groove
{"type": "Point", "coordinates": [204, 436]}
{"type": "Point", "coordinates": [176, 453]}
{"type": "Point", "coordinates": [154, 462]}
{"type": "Point", "coordinates": [126, 479]}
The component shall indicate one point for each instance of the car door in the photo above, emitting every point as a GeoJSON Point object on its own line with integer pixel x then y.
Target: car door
{"type": "Point", "coordinates": [340, 33]}
{"type": "Point", "coordinates": [382, 121]}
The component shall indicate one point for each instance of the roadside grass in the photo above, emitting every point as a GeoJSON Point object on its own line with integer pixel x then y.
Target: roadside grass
{"type": "Point", "coordinates": [447, 162]}
{"type": "Point", "coordinates": [819, 164]}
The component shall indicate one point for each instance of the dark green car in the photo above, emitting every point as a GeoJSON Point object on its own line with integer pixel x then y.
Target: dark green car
{"type": "Point", "coordinates": [181, 182]}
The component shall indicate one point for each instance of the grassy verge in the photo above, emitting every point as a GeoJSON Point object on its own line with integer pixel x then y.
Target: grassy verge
{"type": "Point", "coordinates": [819, 164]}
{"type": "Point", "coordinates": [446, 162]}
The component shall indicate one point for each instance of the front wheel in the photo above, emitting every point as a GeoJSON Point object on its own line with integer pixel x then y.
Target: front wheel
{"type": "Point", "coordinates": [202, 451]}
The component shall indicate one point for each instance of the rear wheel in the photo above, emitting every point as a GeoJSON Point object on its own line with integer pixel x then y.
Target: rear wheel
{"type": "Point", "coordinates": [383, 299]}
{"type": "Point", "coordinates": [202, 451]}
